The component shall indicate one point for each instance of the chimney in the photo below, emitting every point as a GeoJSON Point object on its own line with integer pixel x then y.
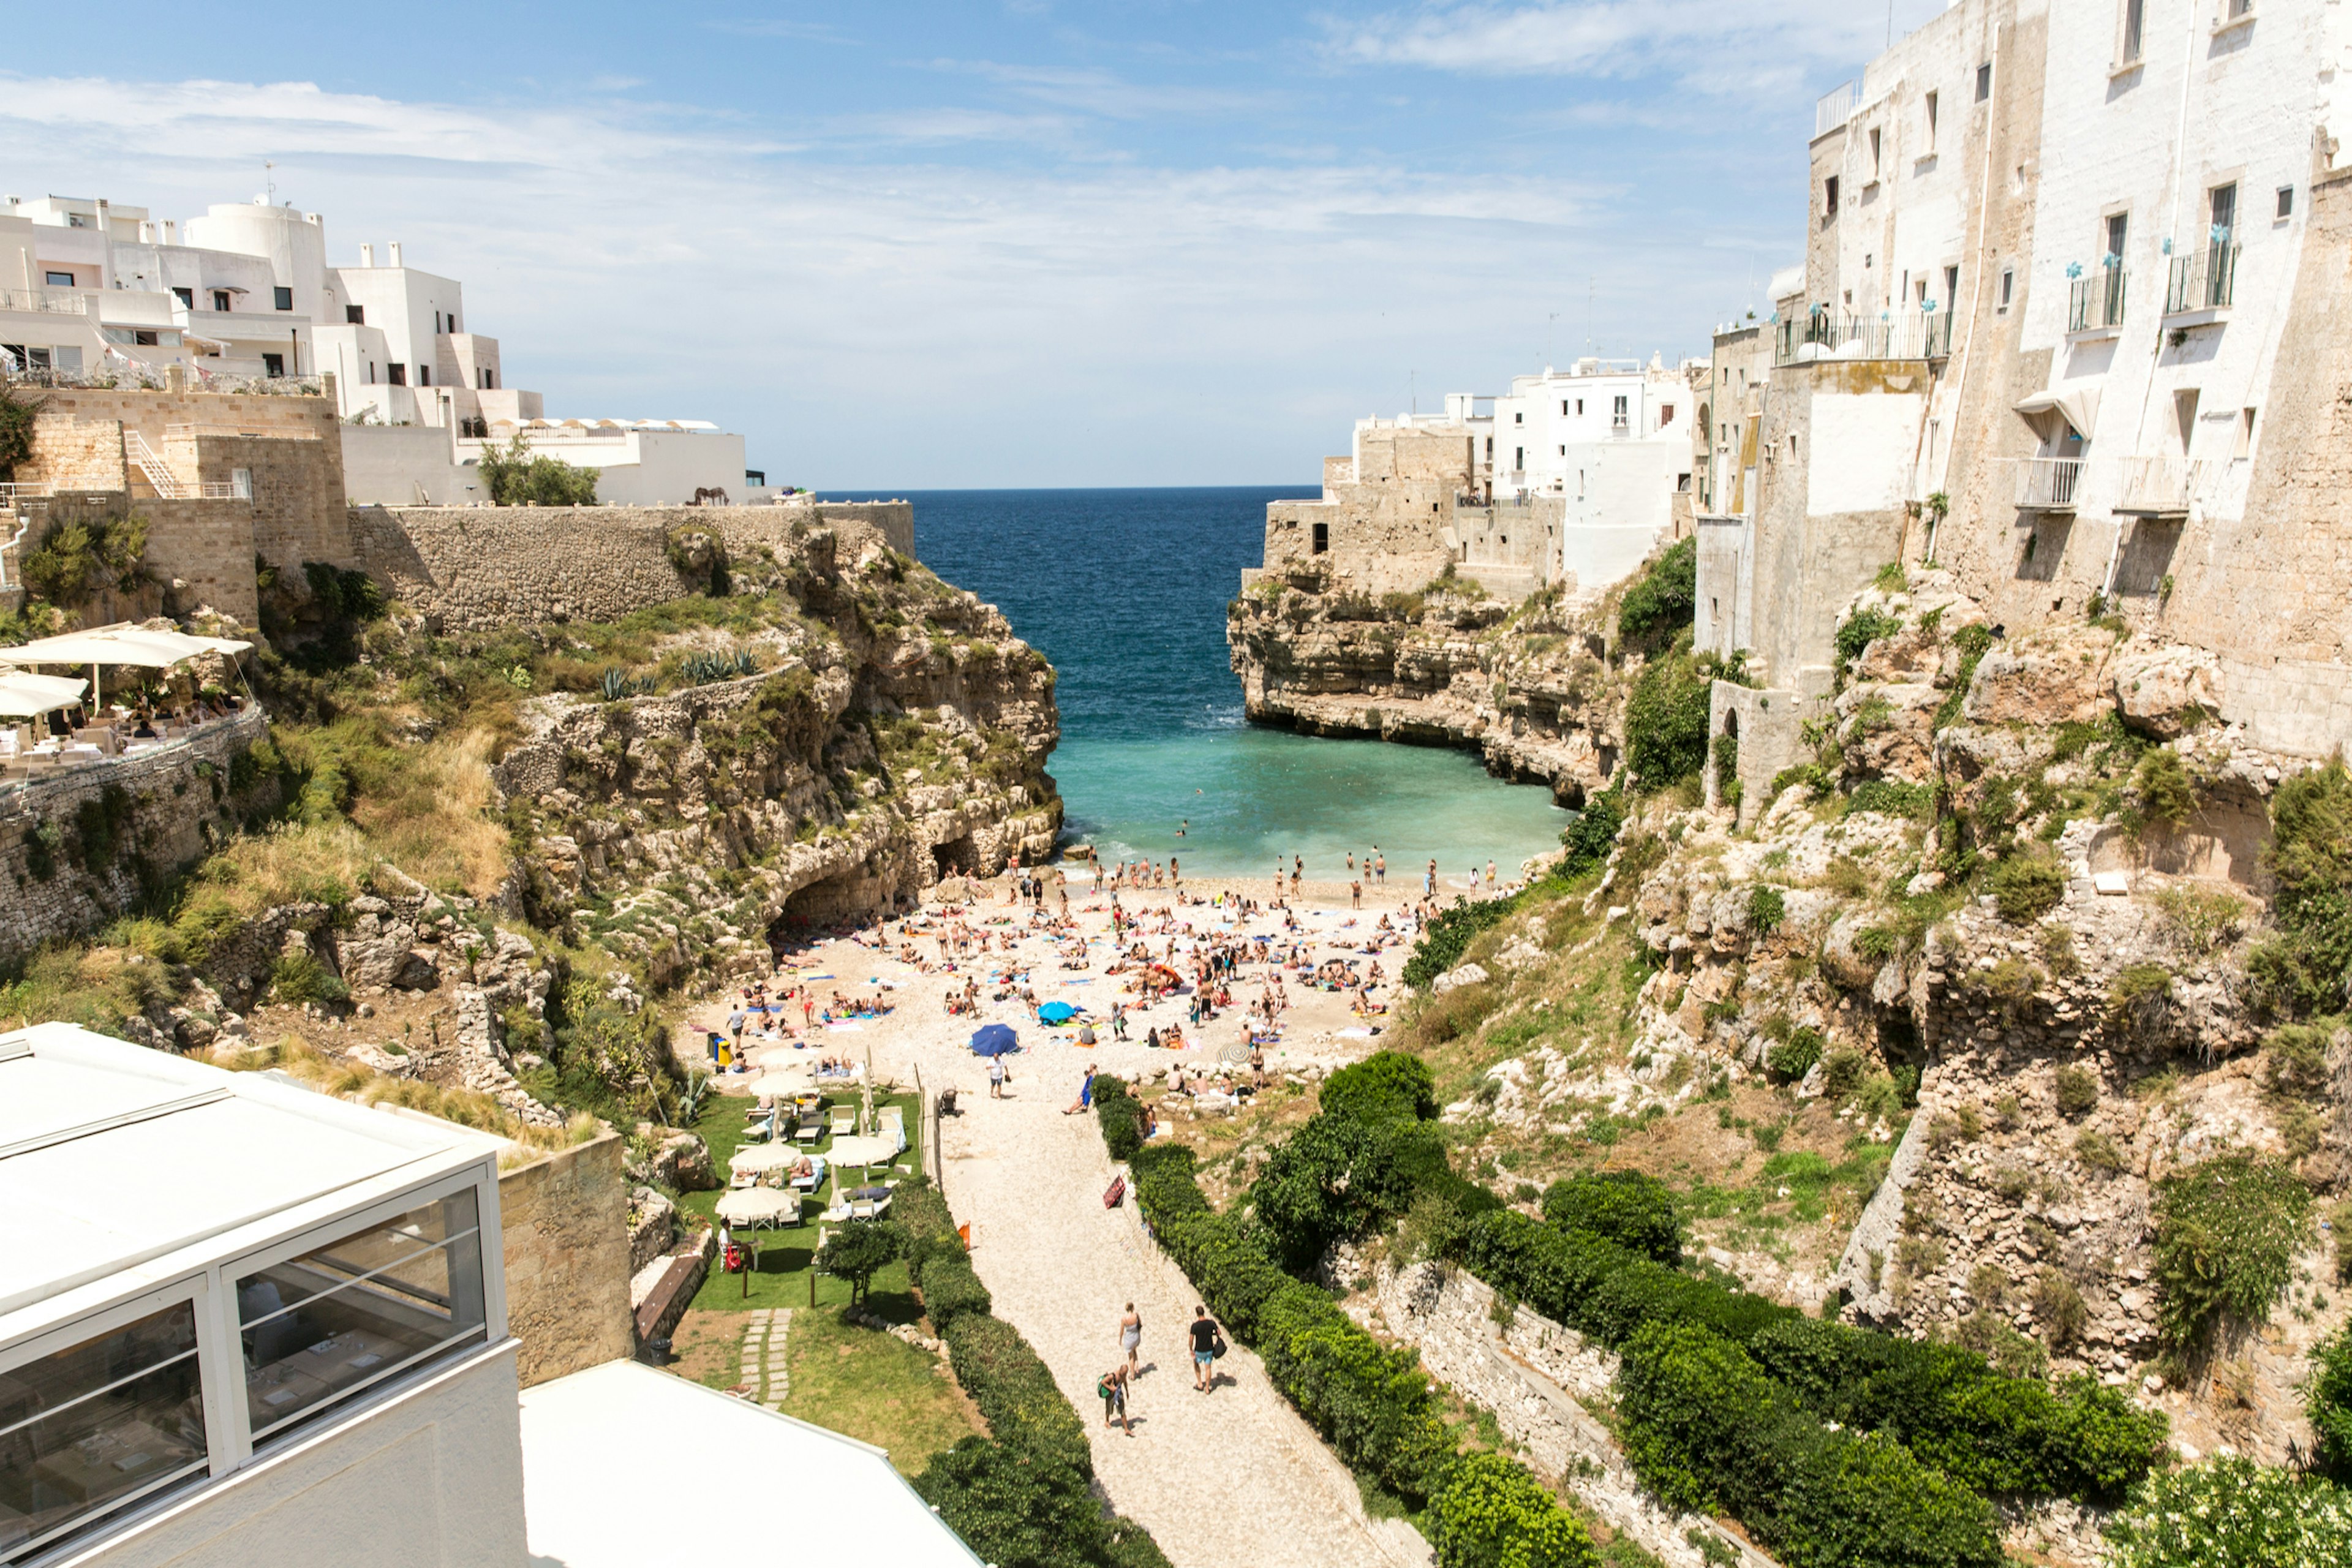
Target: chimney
{"type": "Point", "coordinates": [171, 231]}
{"type": "Point", "coordinates": [395, 253]}
{"type": "Point", "coordinates": [105, 224]}
{"type": "Point", "coordinates": [367, 256]}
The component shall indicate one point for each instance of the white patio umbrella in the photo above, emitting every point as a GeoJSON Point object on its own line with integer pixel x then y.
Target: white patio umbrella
{"type": "Point", "coordinates": [756, 1157]}
{"type": "Point", "coordinates": [120, 644]}
{"type": "Point", "coordinates": [23, 694]}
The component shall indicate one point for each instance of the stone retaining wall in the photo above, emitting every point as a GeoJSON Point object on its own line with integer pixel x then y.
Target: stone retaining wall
{"type": "Point", "coordinates": [564, 1221]}
{"type": "Point", "coordinates": [171, 801]}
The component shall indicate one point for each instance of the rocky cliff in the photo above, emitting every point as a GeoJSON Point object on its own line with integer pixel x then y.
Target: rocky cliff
{"type": "Point", "coordinates": [1528, 686]}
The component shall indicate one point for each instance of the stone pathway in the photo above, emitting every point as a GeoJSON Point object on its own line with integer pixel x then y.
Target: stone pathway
{"type": "Point", "coordinates": [766, 1376]}
{"type": "Point", "coordinates": [1229, 1478]}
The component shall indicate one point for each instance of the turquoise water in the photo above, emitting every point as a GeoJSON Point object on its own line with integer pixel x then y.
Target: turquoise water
{"type": "Point", "coordinates": [1126, 592]}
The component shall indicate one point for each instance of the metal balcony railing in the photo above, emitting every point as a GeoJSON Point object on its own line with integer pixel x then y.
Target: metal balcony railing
{"type": "Point", "coordinates": [2159, 487]}
{"type": "Point", "coordinates": [58, 302]}
{"type": "Point", "coordinates": [2202, 279]}
{"type": "Point", "coordinates": [1911, 334]}
{"type": "Point", "coordinates": [2095, 302]}
{"type": "Point", "coordinates": [2048, 484]}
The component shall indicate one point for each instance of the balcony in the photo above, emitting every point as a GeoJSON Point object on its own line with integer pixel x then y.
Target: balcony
{"type": "Point", "coordinates": [57, 301]}
{"type": "Point", "coordinates": [1836, 106]}
{"type": "Point", "coordinates": [2159, 487]}
{"type": "Point", "coordinates": [1912, 334]}
{"type": "Point", "coordinates": [2094, 304]}
{"type": "Point", "coordinates": [2201, 281]}
{"type": "Point", "coordinates": [2048, 484]}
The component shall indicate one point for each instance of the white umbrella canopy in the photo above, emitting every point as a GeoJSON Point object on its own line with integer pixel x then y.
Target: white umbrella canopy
{"type": "Point", "coordinates": [853, 1150]}
{"type": "Point", "coordinates": [120, 644]}
{"type": "Point", "coordinates": [23, 694]}
{"type": "Point", "coordinates": [763, 1157]}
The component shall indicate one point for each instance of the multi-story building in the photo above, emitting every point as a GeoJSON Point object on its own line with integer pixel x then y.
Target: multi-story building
{"type": "Point", "coordinates": [2066, 312]}
{"type": "Point", "coordinates": [1571, 477]}
{"type": "Point", "coordinates": [90, 288]}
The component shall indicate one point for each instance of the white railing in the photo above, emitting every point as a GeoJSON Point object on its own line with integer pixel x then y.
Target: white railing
{"type": "Point", "coordinates": [1901, 334]}
{"type": "Point", "coordinates": [148, 462]}
{"type": "Point", "coordinates": [2159, 487]}
{"type": "Point", "coordinates": [58, 301]}
{"type": "Point", "coordinates": [10, 494]}
{"type": "Point", "coordinates": [1836, 106]}
{"type": "Point", "coordinates": [2048, 484]}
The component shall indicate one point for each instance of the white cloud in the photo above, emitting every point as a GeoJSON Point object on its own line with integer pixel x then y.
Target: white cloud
{"type": "Point", "coordinates": [1752, 49]}
{"type": "Point", "coordinates": [867, 310]}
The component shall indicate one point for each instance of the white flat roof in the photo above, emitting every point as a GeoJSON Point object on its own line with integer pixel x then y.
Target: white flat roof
{"type": "Point", "coordinates": [112, 1154]}
{"type": "Point", "coordinates": [597, 1494]}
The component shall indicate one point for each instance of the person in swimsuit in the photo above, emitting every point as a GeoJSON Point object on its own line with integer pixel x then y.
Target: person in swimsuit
{"type": "Point", "coordinates": [1130, 1338]}
{"type": "Point", "coordinates": [1204, 1351]}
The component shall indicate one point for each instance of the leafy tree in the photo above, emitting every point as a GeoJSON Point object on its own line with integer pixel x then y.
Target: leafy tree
{"type": "Point", "coordinates": [2327, 1401]}
{"type": "Point", "coordinates": [1388, 1086]}
{"type": "Point", "coordinates": [2309, 964]}
{"type": "Point", "coordinates": [858, 1251]}
{"type": "Point", "coordinates": [1664, 600]}
{"type": "Point", "coordinates": [1491, 1514]}
{"type": "Point", "coordinates": [75, 560]}
{"type": "Point", "coordinates": [514, 476]}
{"type": "Point", "coordinates": [2229, 1512]}
{"type": "Point", "coordinates": [15, 431]}
{"type": "Point", "coordinates": [1666, 713]}
{"type": "Point", "coordinates": [2227, 1233]}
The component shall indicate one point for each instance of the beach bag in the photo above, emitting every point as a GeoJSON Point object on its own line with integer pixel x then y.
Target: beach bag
{"type": "Point", "coordinates": [1115, 1193]}
{"type": "Point", "coordinates": [1217, 1345]}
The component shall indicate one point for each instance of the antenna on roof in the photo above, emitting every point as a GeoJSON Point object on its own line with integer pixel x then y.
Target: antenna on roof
{"type": "Point", "coordinates": [269, 182]}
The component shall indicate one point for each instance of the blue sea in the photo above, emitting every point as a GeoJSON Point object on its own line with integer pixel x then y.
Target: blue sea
{"type": "Point", "coordinates": [1125, 590]}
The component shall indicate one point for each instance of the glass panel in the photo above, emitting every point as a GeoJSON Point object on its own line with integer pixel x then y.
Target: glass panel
{"type": "Point", "coordinates": [345, 1315]}
{"type": "Point", "coordinates": [86, 1429]}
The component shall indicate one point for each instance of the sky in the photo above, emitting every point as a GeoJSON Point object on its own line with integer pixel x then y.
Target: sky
{"type": "Point", "coordinates": [1001, 242]}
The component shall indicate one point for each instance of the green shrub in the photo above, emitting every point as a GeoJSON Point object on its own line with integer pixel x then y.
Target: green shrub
{"type": "Point", "coordinates": [1858, 631]}
{"type": "Point", "coordinates": [2310, 854]}
{"type": "Point", "coordinates": [1491, 1514]}
{"type": "Point", "coordinates": [2166, 792]}
{"type": "Point", "coordinates": [17, 421]}
{"type": "Point", "coordinates": [1598, 1287]}
{"type": "Point", "coordinates": [2077, 1090]}
{"type": "Point", "coordinates": [2227, 1233]}
{"type": "Point", "coordinates": [1663, 599]}
{"type": "Point", "coordinates": [1666, 716]}
{"type": "Point", "coordinates": [301, 977]}
{"type": "Point", "coordinates": [1890, 797]}
{"type": "Point", "coordinates": [1635, 1211]}
{"type": "Point", "coordinates": [1706, 1429]}
{"type": "Point", "coordinates": [2294, 1060]}
{"type": "Point", "coordinates": [2327, 1405]}
{"type": "Point", "coordinates": [1795, 1056]}
{"type": "Point", "coordinates": [77, 560]}
{"type": "Point", "coordinates": [1016, 1393]}
{"type": "Point", "coordinates": [856, 1253]}
{"type": "Point", "coordinates": [2229, 1512]}
{"type": "Point", "coordinates": [1450, 932]}
{"type": "Point", "coordinates": [1388, 1086]}
{"type": "Point", "coordinates": [1811, 774]}
{"type": "Point", "coordinates": [1766, 910]}
{"type": "Point", "coordinates": [1120, 1116]}
{"type": "Point", "coordinates": [2027, 887]}
{"type": "Point", "coordinates": [1016, 1510]}
{"type": "Point", "coordinates": [1593, 834]}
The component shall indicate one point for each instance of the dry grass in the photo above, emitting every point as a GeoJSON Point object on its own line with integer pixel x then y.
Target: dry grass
{"type": "Point", "coordinates": [438, 827]}
{"type": "Point", "coordinates": [299, 1059]}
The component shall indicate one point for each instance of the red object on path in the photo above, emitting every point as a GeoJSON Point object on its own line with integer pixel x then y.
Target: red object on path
{"type": "Point", "coordinates": [1117, 1191]}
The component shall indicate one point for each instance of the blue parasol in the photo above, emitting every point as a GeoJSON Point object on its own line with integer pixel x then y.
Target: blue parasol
{"type": "Point", "coordinates": [1057, 1012]}
{"type": "Point", "coordinates": [994, 1040]}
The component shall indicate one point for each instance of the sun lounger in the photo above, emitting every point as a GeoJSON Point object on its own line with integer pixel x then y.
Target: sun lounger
{"type": "Point", "coordinates": [845, 1121]}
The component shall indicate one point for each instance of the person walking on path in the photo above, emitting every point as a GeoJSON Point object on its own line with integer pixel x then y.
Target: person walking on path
{"type": "Point", "coordinates": [1204, 1349]}
{"type": "Point", "coordinates": [1130, 1338]}
{"type": "Point", "coordinates": [996, 1076]}
{"type": "Point", "coordinates": [1112, 1386]}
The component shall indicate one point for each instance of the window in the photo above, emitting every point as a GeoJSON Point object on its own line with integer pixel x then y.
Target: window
{"type": "Point", "coordinates": [1617, 420]}
{"type": "Point", "coordinates": [1931, 124]}
{"type": "Point", "coordinates": [2007, 291]}
{"type": "Point", "coordinates": [187, 297]}
{"type": "Point", "coordinates": [2223, 207]}
{"type": "Point", "coordinates": [424, 375]}
{"type": "Point", "coordinates": [343, 1316]}
{"type": "Point", "coordinates": [143, 338]}
{"type": "Point", "coordinates": [91, 1426]}
{"type": "Point", "coordinates": [1875, 134]}
{"type": "Point", "coordinates": [370, 380]}
{"type": "Point", "coordinates": [2241, 9]}
{"type": "Point", "coordinates": [1580, 408]}
{"type": "Point", "coordinates": [220, 298]}
{"type": "Point", "coordinates": [2245, 447]}
{"type": "Point", "coordinates": [2285, 203]}
{"type": "Point", "coordinates": [436, 323]}
{"type": "Point", "coordinates": [1519, 416]}
{"type": "Point", "coordinates": [1563, 451]}
{"type": "Point", "coordinates": [1563, 405]}
{"type": "Point", "coordinates": [1984, 81]}
{"type": "Point", "coordinates": [282, 298]}
{"type": "Point", "coordinates": [58, 279]}
{"type": "Point", "coordinates": [2135, 28]}
{"type": "Point", "coordinates": [1951, 289]}
{"type": "Point", "coordinates": [396, 374]}
{"type": "Point", "coordinates": [1829, 197]}
{"type": "Point", "coordinates": [355, 315]}
{"type": "Point", "coordinates": [1682, 482]}
{"type": "Point", "coordinates": [1322, 538]}
{"type": "Point", "coordinates": [2118, 228]}
{"type": "Point", "coordinates": [1518, 459]}
{"type": "Point", "coordinates": [273, 364]}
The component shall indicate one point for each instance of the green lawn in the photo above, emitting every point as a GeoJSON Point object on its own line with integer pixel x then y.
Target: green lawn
{"type": "Point", "coordinates": [872, 1387]}
{"type": "Point", "coordinates": [783, 1276]}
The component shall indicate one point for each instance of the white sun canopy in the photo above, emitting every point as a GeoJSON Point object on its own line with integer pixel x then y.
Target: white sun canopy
{"type": "Point", "coordinates": [123, 644]}
{"type": "Point", "coordinates": [23, 694]}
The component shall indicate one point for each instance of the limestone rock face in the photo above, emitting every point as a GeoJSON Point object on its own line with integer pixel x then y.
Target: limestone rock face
{"type": "Point", "coordinates": [2165, 689]}
{"type": "Point", "coordinates": [1889, 732]}
{"type": "Point", "coordinates": [2057, 676]}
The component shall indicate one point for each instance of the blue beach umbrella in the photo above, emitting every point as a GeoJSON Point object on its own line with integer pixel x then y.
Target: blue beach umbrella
{"type": "Point", "coordinates": [994, 1040]}
{"type": "Point", "coordinates": [1057, 1012]}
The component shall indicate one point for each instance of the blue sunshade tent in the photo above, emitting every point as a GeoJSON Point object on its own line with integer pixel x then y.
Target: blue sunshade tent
{"type": "Point", "coordinates": [994, 1040]}
{"type": "Point", "coordinates": [1057, 1012]}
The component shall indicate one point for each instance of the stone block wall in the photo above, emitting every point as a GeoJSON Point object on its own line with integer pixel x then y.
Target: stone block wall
{"type": "Point", "coordinates": [71, 452]}
{"type": "Point", "coordinates": [299, 512]}
{"type": "Point", "coordinates": [99, 860]}
{"type": "Point", "coordinates": [199, 552]}
{"type": "Point", "coordinates": [476, 567]}
{"type": "Point", "coordinates": [565, 1221]}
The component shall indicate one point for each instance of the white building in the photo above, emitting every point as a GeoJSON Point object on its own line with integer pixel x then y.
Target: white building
{"type": "Point", "coordinates": [242, 1322]}
{"type": "Point", "coordinates": [88, 287]}
{"type": "Point", "coordinates": [1612, 440]}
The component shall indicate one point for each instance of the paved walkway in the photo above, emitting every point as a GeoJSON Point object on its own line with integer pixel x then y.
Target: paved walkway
{"type": "Point", "coordinates": [1222, 1480]}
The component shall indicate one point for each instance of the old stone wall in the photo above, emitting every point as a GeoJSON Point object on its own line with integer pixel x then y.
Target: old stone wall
{"type": "Point", "coordinates": [70, 452]}
{"type": "Point", "coordinates": [200, 553]}
{"type": "Point", "coordinates": [299, 513]}
{"type": "Point", "coordinates": [478, 567]}
{"type": "Point", "coordinates": [79, 849]}
{"type": "Point", "coordinates": [565, 1227]}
